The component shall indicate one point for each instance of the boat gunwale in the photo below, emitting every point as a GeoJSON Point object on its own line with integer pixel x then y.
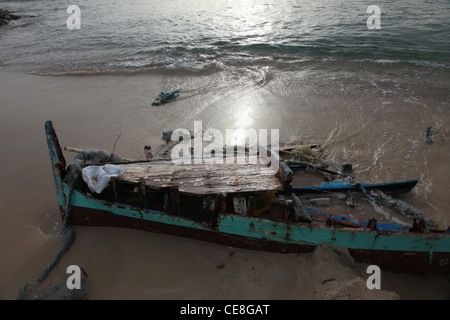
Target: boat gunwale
{"type": "Point", "coordinates": [360, 228]}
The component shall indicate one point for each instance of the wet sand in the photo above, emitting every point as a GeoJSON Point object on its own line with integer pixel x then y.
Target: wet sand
{"type": "Point", "coordinates": [91, 111]}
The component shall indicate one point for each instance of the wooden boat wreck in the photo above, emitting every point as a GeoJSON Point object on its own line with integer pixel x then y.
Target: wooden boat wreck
{"type": "Point", "coordinates": [238, 205]}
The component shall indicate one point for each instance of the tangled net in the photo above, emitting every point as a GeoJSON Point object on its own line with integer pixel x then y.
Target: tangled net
{"type": "Point", "coordinates": [305, 152]}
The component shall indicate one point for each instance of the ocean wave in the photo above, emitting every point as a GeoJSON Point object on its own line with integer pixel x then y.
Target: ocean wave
{"type": "Point", "coordinates": [419, 63]}
{"type": "Point", "coordinates": [133, 37]}
{"type": "Point", "coordinates": [200, 60]}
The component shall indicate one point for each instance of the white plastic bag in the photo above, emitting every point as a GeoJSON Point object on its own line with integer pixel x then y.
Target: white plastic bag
{"type": "Point", "coordinates": [97, 177]}
{"type": "Point", "coordinates": [113, 170]}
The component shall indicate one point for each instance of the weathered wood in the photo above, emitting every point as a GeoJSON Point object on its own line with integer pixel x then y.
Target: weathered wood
{"type": "Point", "coordinates": [279, 209]}
{"type": "Point", "coordinates": [203, 178]}
{"type": "Point", "coordinates": [300, 212]}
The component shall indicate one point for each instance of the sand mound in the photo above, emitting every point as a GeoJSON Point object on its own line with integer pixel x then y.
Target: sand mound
{"type": "Point", "coordinates": [229, 273]}
{"type": "Point", "coordinates": [331, 273]}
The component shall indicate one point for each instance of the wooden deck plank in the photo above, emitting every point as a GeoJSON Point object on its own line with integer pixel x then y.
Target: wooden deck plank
{"type": "Point", "coordinates": [203, 178]}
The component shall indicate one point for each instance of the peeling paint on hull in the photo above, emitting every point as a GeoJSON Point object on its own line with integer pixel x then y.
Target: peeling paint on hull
{"type": "Point", "coordinates": [401, 252]}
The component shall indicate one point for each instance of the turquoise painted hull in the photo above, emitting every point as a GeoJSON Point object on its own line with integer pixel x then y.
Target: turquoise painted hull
{"type": "Point", "coordinates": [401, 251]}
{"type": "Point", "coordinates": [391, 247]}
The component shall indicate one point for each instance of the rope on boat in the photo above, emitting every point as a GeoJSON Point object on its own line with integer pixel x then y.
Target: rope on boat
{"type": "Point", "coordinates": [305, 152]}
{"type": "Point", "coordinates": [72, 178]}
{"type": "Point", "coordinates": [69, 237]}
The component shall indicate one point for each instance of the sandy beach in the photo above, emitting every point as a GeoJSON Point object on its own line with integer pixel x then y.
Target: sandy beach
{"type": "Point", "coordinates": [91, 111]}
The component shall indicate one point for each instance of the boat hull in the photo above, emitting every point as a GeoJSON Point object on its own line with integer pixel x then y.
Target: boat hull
{"type": "Point", "coordinates": [391, 251]}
